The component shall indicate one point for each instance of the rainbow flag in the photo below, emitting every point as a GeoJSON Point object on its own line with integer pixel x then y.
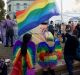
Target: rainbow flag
{"type": "Point", "coordinates": [38, 12]}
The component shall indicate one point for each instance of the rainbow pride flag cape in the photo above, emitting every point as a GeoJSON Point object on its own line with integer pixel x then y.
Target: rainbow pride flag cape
{"type": "Point", "coordinates": [20, 62]}
{"type": "Point", "coordinates": [38, 12]}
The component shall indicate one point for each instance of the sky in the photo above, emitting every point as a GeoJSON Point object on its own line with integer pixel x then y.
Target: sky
{"type": "Point", "coordinates": [5, 4]}
{"type": "Point", "coordinates": [68, 5]}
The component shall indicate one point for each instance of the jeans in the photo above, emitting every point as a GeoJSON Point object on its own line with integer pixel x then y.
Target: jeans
{"type": "Point", "coordinates": [9, 36]}
{"type": "Point", "coordinates": [69, 64]}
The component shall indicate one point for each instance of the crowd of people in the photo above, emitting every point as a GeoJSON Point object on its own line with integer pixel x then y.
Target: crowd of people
{"type": "Point", "coordinates": [70, 37]}
{"type": "Point", "coordinates": [8, 31]}
{"type": "Point", "coordinates": [8, 34]}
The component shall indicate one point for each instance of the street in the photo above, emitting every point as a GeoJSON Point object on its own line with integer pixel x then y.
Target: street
{"type": "Point", "coordinates": [6, 52]}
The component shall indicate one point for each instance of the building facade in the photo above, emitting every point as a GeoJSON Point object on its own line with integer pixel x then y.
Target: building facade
{"type": "Point", "coordinates": [15, 5]}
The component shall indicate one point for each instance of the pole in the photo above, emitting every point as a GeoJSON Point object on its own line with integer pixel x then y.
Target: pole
{"type": "Point", "coordinates": [61, 11]}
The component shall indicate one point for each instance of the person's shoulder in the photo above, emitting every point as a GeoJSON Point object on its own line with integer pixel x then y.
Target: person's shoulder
{"type": "Point", "coordinates": [31, 43]}
{"type": "Point", "coordinates": [48, 33]}
{"type": "Point", "coordinates": [11, 20]}
{"type": "Point", "coordinates": [7, 20]}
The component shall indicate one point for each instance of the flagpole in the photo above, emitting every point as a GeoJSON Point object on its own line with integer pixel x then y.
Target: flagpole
{"type": "Point", "coordinates": [61, 11]}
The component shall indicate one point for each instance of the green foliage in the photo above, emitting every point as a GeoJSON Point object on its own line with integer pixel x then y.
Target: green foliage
{"type": "Point", "coordinates": [2, 11]}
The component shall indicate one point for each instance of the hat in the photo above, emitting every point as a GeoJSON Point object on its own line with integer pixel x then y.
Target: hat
{"type": "Point", "coordinates": [45, 22]}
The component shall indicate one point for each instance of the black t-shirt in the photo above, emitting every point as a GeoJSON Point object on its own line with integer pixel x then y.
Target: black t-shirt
{"type": "Point", "coordinates": [70, 45]}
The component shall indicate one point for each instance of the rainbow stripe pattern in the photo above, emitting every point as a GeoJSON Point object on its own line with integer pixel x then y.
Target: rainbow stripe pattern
{"type": "Point", "coordinates": [58, 48]}
{"type": "Point", "coordinates": [31, 52]}
{"type": "Point", "coordinates": [46, 54]}
{"type": "Point", "coordinates": [17, 59]}
{"type": "Point", "coordinates": [20, 62]}
{"type": "Point", "coordinates": [38, 12]}
{"type": "Point", "coordinates": [49, 55]}
{"type": "Point", "coordinates": [16, 50]}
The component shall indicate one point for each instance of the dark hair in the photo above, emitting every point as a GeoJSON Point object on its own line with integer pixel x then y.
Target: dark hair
{"type": "Point", "coordinates": [69, 22]}
{"type": "Point", "coordinates": [51, 22]}
{"type": "Point", "coordinates": [44, 23]}
{"type": "Point", "coordinates": [8, 17]}
{"type": "Point", "coordinates": [26, 39]}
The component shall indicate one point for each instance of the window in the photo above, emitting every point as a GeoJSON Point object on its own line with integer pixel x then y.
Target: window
{"type": "Point", "coordinates": [17, 6]}
{"type": "Point", "coordinates": [25, 5]}
{"type": "Point", "coordinates": [9, 7]}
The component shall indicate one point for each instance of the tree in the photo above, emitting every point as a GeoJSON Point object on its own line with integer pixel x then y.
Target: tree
{"type": "Point", "coordinates": [2, 10]}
